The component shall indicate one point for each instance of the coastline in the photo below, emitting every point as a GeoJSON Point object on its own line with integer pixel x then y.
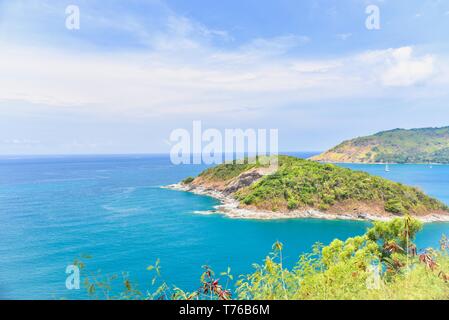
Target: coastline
{"type": "Point", "coordinates": [231, 208]}
{"type": "Point", "coordinates": [383, 163]}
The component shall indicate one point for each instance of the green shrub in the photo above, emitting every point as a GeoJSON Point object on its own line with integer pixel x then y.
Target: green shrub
{"type": "Point", "coordinates": [394, 206]}
{"type": "Point", "coordinates": [292, 204]}
{"type": "Point", "coordinates": [188, 180]}
{"type": "Point", "coordinates": [248, 200]}
{"type": "Point", "coordinates": [375, 266]}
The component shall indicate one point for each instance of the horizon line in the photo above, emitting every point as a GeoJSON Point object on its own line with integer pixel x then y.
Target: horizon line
{"type": "Point", "coordinates": [123, 154]}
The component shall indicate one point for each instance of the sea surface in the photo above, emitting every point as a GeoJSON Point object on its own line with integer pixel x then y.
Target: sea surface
{"type": "Point", "coordinates": [55, 209]}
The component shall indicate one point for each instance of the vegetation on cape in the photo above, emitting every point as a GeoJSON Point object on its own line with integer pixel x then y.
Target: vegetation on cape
{"type": "Point", "coordinates": [427, 145]}
{"type": "Point", "coordinates": [188, 180]}
{"type": "Point", "coordinates": [304, 184]}
{"type": "Point", "coordinates": [230, 170]}
{"type": "Point", "coordinates": [384, 263]}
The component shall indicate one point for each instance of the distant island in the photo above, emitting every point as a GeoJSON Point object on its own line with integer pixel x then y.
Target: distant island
{"type": "Point", "coordinates": [299, 188]}
{"type": "Point", "coordinates": [427, 145]}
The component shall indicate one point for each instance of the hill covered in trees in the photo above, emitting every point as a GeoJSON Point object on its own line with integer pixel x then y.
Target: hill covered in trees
{"type": "Point", "coordinates": [427, 145]}
{"type": "Point", "coordinates": [301, 185]}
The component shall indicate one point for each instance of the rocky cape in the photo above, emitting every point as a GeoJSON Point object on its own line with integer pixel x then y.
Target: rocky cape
{"type": "Point", "coordinates": [226, 190]}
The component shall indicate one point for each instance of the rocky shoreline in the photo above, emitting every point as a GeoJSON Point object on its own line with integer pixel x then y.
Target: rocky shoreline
{"type": "Point", "coordinates": [231, 208]}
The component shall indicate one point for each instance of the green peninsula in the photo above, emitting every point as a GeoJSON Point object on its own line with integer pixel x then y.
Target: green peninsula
{"type": "Point", "coordinates": [427, 145]}
{"type": "Point", "coordinates": [298, 185]}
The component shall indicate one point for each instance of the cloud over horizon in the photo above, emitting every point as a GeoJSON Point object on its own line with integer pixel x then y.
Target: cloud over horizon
{"type": "Point", "coordinates": [209, 81]}
{"type": "Point", "coordinates": [156, 64]}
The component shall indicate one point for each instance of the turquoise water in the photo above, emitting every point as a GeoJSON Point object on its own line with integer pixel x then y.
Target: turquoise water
{"type": "Point", "coordinates": [52, 209]}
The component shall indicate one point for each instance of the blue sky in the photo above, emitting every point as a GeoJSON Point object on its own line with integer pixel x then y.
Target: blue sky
{"type": "Point", "coordinates": [138, 69]}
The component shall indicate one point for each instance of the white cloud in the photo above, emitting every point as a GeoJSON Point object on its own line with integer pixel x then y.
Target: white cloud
{"type": "Point", "coordinates": [344, 36]}
{"type": "Point", "coordinates": [185, 27]}
{"type": "Point", "coordinates": [279, 44]}
{"type": "Point", "coordinates": [21, 142]}
{"type": "Point", "coordinates": [181, 71]}
{"type": "Point", "coordinates": [200, 79]}
{"type": "Point", "coordinates": [399, 68]}
{"type": "Point", "coordinates": [317, 66]}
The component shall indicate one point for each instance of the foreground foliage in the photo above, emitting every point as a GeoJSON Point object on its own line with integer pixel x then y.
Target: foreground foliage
{"type": "Point", "coordinates": [384, 263]}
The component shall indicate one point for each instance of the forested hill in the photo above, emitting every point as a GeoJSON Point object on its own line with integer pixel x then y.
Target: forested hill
{"type": "Point", "coordinates": [302, 184]}
{"type": "Point", "coordinates": [427, 145]}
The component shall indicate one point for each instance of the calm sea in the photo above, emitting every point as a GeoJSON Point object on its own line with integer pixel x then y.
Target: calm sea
{"type": "Point", "coordinates": [54, 209]}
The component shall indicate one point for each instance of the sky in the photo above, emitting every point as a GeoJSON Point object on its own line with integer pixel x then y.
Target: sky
{"type": "Point", "coordinates": [138, 69]}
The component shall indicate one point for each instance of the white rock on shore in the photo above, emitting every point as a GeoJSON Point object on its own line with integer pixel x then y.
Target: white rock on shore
{"type": "Point", "coordinates": [231, 208]}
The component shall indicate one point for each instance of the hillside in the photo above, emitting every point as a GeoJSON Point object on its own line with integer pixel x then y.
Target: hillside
{"type": "Point", "coordinates": [428, 145]}
{"type": "Point", "coordinates": [299, 185]}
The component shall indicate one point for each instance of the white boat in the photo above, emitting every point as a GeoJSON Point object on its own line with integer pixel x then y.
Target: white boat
{"type": "Point", "coordinates": [387, 168]}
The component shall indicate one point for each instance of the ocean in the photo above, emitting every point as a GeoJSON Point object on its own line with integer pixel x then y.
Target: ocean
{"type": "Point", "coordinates": [54, 209]}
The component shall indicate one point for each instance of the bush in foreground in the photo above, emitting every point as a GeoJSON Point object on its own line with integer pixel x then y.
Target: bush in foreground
{"type": "Point", "coordinates": [384, 263]}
